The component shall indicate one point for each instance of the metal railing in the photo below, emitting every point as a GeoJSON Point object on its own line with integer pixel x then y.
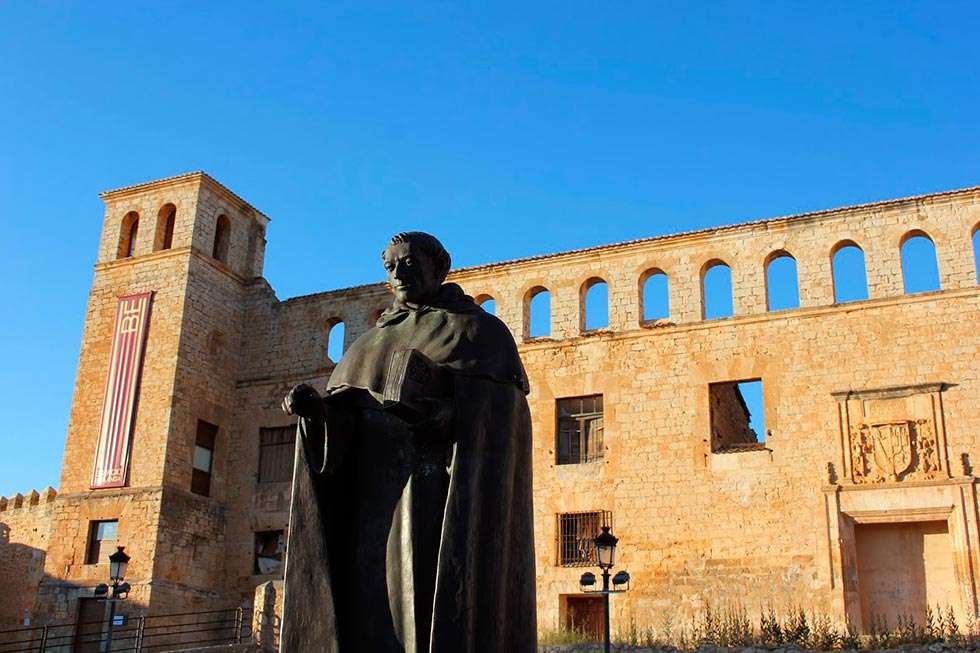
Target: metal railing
{"type": "Point", "coordinates": [164, 632]}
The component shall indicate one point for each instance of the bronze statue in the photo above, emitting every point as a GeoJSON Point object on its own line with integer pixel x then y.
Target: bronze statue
{"type": "Point", "coordinates": [411, 520]}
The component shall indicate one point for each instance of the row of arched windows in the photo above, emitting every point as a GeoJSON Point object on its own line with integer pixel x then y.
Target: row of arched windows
{"type": "Point", "coordinates": [920, 273]}
{"type": "Point", "coordinates": [164, 235]}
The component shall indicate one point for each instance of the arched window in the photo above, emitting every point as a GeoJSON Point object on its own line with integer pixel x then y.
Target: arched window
{"type": "Point", "coordinates": [487, 303]}
{"type": "Point", "coordinates": [594, 300]}
{"type": "Point", "coordinates": [654, 299]}
{"type": "Point", "coordinates": [976, 251]}
{"type": "Point", "coordinates": [850, 278]}
{"type": "Point", "coordinates": [537, 313]}
{"type": "Point", "coordinates": [716, 290]}
{"type": "Point", "coordinates": [335, 340]}
{"type": "Point", "coordinates": [222, 234]}
{"type": "Point", "coordinates": [920, 271]}
{"type": "Point", "coordinates": [164, 237]}
{"type": "Point", "coordinates": [782, 284]}
{"type": "Point", "coordinates": [127, 235]}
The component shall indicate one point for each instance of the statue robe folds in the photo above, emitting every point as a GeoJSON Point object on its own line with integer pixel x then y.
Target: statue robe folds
{"type": "Point", "coordinates": [402, 540]}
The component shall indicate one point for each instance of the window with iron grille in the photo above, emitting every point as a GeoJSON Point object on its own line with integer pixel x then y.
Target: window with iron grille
{"type": "Point", "coordinates": [576, 533]}
{"type": "Point", "coordinates": [579, 430]}
{"type": "Point", "coordinates": [276, 454]}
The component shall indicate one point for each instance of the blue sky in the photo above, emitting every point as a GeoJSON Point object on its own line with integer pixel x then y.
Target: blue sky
{"type": "Point", "coordinates": [506, 129]}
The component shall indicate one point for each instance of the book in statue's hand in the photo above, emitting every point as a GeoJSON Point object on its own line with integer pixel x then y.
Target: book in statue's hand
{"type": "Point", "coordinates": [411, 381]}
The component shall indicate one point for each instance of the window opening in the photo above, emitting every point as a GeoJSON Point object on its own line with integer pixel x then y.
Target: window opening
{"type": "Point", "coordinates": [737, 415]}
{"type": "Point", "coordinates": [656, 300]}
{"type": "Point", "coordinates": [270, 546]}
{"type": "Point", "coordinates": [716, 291]}
{"type": "Point", "coordinates": [920, 271]}
{"type": "Point", "coordinates": [782, 283]}
{"type": "Point", "coordinates": [335, 341]}
{"type": "Point", "coordinates": [488, 304]}
{"type": "Point", "coordinates": [203, 458]}
{"type": "Point", "coordinates": [850, 276]}
{"type": "Point", "coordinates": [276, 451]}
{"type": "Point", "coordinates": [127, 235]}
{"type": "Point", "coordinates": [575, 536]}
{"type": "Point", "coordinates": [976, 251]}
{"type": "Point", "coordinates": [579, 429]}
{"type": "Point", "coordinates": [539, 309]}
{"type": "Point", "coordinates": [102, 537]}
{"type": "Point", "coordinates": [222, 235]}
{"type": "Point", "coordinates": [595, 305]}
{"type": "Point", "coordinates": [165, 228]}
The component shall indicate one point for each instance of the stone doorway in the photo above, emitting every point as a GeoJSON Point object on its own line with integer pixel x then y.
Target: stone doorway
{"type": "Point", "coordinates": [585, 614]}
{"type": "Point", "coordinates": [902, 568]}
{"type": "Point", "coordinates": [88, 628]}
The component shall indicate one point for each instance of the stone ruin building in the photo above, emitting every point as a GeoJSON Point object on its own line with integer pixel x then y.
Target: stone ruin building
{"type": "Point", "coordinates": [858, 499]}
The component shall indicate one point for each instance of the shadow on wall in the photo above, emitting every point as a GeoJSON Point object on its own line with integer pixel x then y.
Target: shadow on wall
{"type": "Point", "coordinates": [21, 573]}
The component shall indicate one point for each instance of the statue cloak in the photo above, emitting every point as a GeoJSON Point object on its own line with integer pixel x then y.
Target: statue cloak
{"type": "Point", "coordinates": [401, 543]}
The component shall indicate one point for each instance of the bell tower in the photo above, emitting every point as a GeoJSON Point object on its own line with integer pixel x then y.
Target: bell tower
{"type": "Point", "coordinates": [147, 441]}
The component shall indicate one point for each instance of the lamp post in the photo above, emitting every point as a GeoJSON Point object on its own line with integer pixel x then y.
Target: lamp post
{"type": "Point", "coordinates": [605, 554]}
{"type": "Point", "coordinates": [118, 562]}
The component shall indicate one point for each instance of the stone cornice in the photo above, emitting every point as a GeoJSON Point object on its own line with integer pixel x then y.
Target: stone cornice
{"type": "Point", "coordinates": [198, 176]}
{"type": "Point", "coordinates": [723, 231]}
{"type": "Point", "coordinates": [176, 251]}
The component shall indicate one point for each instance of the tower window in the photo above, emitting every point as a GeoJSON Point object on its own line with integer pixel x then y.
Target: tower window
{"type": "Point", "coordinates": [127, 235]}
{"type": "Point", "coordinates": [222, 235]}
{"type": "Point", "coordinates": [580, 430]}
{"type": "Point", "coordinates": [101, 539]}
{"type": "Point", "coordinates": [164, 237]}
{"type": "Point", "coordinates": [203, 458]}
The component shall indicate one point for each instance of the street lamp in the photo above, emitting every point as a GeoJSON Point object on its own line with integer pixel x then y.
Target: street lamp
{"type": "Point", "coordinates": [118, 562]}
{"type": "Point", "coordinates": [605, 555]}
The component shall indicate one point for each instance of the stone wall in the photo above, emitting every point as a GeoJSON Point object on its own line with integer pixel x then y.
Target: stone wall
{"type": "Point", "coordinates": [852, 393]}
{"type": "Point", "coordinates": [754, 526]}
{"type": "Point", "coordinates": [25, 528]}
{"type": "Point", "coordinates": [190, 366]}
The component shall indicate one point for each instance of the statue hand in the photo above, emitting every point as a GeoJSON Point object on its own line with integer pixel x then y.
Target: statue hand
{"type": "Point", "coordinates": [440, 419]}
{"type": "Point", "coordinates": [304, 401]}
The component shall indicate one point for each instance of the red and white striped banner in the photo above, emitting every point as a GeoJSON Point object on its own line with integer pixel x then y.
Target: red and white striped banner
{"type": "Point", "coordinates": [122, 385]}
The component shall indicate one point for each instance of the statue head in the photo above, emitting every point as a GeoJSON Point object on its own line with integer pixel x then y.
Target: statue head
{"type": "Point", "coordinates": [416, 264]}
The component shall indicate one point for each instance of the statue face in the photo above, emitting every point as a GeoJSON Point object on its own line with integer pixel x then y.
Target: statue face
{"type": "Point", "coordinates": [411, 273]}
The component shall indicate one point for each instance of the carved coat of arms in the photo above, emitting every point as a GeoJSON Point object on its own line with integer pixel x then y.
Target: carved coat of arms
{"type": "Point", "coordinates": [893, 451]}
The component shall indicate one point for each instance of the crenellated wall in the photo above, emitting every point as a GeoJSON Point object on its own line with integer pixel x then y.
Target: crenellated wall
{"type": "Point", "coordinates": [25, 530]}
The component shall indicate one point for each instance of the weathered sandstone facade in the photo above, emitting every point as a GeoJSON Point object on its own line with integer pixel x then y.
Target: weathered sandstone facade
{"type": "Point", "coordinates": [860, 501]}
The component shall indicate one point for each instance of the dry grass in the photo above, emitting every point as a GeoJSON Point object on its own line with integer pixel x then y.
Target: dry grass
{"type": "Point", "coordinates": [733, 627]}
